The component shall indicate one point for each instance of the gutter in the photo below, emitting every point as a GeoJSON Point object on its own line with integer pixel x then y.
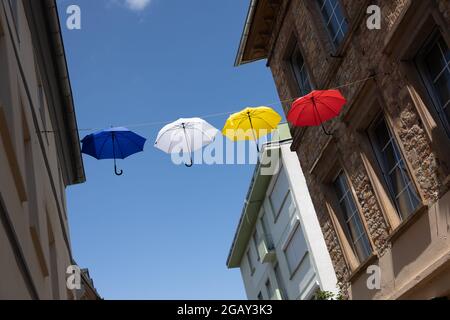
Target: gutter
{"type": "Point", "coordinates": [77, 173]}
{"type": "Point", "coordinates": [244, 38]}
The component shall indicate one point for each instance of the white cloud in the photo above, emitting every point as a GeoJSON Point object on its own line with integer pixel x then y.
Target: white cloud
{"type": "Point", "coordinates": [137, 5]}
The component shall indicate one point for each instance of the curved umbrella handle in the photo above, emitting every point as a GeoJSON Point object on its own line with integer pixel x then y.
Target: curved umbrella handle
{"type": "Point", "coordinates": [191, 162]}
{"type": "Point", "coordinates": [188, 146]}
{"type": "Point", "coordinates": [118, 172]}
{"type": "Point", "coordinates": [326, 131]}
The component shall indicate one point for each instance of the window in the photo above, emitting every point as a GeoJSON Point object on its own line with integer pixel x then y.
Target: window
{"type": "Point", "coordinates": [301, 75]}
{"type": "Point", "coordinates": [280, 197]}
{"type": "Point", "coordinates": [396, 175]}
{"type": "Point", "coordinates": [354, 227]}
{"type": "Point", "coordinates": [266, 235]}
{"type": "Point", "coordinates": [434, 65]}
{"type": "Point", "coordinates": [295, 249]}
{"type": "Point", "coordinates": [280, 281]}
{"type": "Point", "coordinates": [250, 262]}
{"type": "Point", "coordinates": [256, 243]}
{"type": "Point", "coordinates": [269, 289]}
{"type": "Point", "coordinates": [334, 18]}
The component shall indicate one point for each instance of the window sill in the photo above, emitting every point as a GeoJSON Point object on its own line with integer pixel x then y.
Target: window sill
{"type": "Point", "coordinates": [362, 267]}
{"type": "Point", "coordinates": [404, 226]}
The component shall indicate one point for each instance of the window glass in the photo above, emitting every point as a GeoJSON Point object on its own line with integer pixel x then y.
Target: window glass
{"type": "Point", "coordinates": [296, 249]}
{"type": "Point", "coordinates": [269, 289]}
{"type": "Point", "coordinates": [250, 262]}
{"type": "Point", "coordinates": [394, 169]}
{"type": "Point", "coordinates": [334, 18]}
{"type": "Point", "coordinates": [279, 193]}
{"type": "Point", "coordinates": [437, 74]}
{"type": "Point", "coordinates": [352, 219]}
{"type": "Point", "coordinates": [300, 72]}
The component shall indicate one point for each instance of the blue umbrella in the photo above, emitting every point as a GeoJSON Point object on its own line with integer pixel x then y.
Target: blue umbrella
{"type": "Point", "coordinates": [113, 143]}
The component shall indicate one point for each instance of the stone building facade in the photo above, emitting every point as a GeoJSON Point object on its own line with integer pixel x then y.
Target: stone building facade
{"type": "Point", "coordinates": [386, 166]}
{"type": "Point", "coordinates": [39, 154]}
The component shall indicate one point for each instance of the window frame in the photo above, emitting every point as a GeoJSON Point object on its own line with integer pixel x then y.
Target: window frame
{"type": "Point", "coordinates": [288, 49]}
{"type": "Point", "coordinates": [426, 80]}
{"type": "Point", "coordinates": [251, 266]}
{"type": "Point", "coordinates": [269, 288]}
{"type": "Point", "coordinates": [256, 239]}
{"type": "Point", "coordinates": [280, 281]}
{"type": "Point", "coordinates": [403, 43]}
{"type": "Point", "coordinates": [336, 46]}
{"type": "Point", "coordinates": [300, 71]}
{"type": "Point", "coordinates": [380, 162]}
{"type": "Point", "coordinates": [347, 230]}
{"type": "Point", "coordinates": [325, 169]}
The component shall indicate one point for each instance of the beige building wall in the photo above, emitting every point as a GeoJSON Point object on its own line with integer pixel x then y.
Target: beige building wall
{"type": "Point", "coordinates": [39, 153]}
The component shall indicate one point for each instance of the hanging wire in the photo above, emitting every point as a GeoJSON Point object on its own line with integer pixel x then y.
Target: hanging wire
{"type": "Point", "coordinates": [214, 115]}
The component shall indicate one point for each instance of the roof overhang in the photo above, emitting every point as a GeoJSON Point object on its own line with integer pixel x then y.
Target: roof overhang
{"type": "Point", "coordinates": [45, 26]}
{"type": "Point", "coordinates": [255, 39]}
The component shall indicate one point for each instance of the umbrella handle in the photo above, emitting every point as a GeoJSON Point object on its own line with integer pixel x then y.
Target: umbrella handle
{"type": "Point", "coordinates": [253, 132]}
{"type": "Point", "coordinates": [191, 162]}
{"type": "Point", "coordinates": [318, 115]}
{"type": "Point", "coordinates": [117, 172]}
{"type": "Point", "coordinates": [189, 148]}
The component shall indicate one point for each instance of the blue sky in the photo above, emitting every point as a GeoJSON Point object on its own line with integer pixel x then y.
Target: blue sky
{"type": "Point", "coordinates": [160, 231]}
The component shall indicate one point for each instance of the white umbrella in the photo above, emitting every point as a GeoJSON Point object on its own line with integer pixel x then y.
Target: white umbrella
{"type": "Point", "coordinates": [186, 136]}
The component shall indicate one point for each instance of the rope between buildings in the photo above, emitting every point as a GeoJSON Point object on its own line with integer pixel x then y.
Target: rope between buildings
{"type": "Point", "coordinates": [215, 115]}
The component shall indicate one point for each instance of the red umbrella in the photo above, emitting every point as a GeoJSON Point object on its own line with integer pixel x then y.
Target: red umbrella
{"type": "Point", "coordinates": [316, 108]}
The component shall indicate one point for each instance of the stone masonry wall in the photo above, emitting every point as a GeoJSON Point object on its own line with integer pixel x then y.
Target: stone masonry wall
{"type": "Point", "coordinates": [363, 54]}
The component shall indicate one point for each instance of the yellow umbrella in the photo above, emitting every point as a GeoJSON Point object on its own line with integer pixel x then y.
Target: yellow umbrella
{"type": "Point", "coordinates": [251, 124]}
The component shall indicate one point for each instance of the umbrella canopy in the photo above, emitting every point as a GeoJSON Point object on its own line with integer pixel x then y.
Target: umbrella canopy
{"type": "Point", "coordinates": [316, 108]}
{"type": "Point", "coordinates": [113, 143]}
{"type": "Point", "coordinates": [261, 121]}
{"type": "Point", "coordinates": [185, 136]}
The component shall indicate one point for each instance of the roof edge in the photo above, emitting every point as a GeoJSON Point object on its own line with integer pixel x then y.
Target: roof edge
{"type": "Point", "coordinates": [77, 174]}
{"type": "Point", "coordinates": [244, 37]}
